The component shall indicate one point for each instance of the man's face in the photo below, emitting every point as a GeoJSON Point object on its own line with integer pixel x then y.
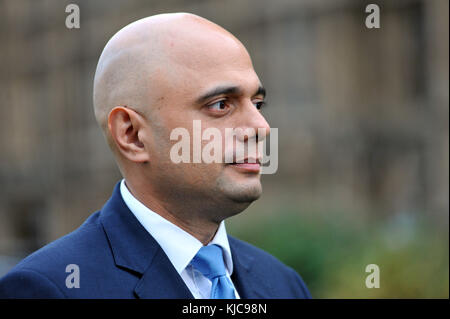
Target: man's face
{"type": "Point", "coordinates": [221, 89]}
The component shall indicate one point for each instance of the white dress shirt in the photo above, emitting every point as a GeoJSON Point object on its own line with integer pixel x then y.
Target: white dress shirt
{"type": "Point", "coordinates": [179, 246]}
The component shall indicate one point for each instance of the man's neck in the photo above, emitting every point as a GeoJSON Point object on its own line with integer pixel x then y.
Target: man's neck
{"type": "Point", "coordinates": [201, 229]}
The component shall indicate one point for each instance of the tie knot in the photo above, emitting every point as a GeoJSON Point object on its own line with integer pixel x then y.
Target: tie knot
{"type": "Point", "coordinates": [209, 261]}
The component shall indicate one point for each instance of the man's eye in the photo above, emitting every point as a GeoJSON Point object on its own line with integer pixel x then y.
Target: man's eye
{"type": "Point", "coordinates": [259, 104]}
{"type": "Point", "coordinates": [219, 106]}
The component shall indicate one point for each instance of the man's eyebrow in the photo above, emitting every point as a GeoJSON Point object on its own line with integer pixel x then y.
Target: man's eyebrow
{"type": "Point", "coordinates": [218, 91]}
{"type": "Point", "coordinates": [227, 90]}
{"type": "Point", "coordinates": [260, 91]}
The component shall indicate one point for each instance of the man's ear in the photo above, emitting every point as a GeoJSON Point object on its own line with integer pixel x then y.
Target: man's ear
{"type": "Point", "coordinates": [126, 127]}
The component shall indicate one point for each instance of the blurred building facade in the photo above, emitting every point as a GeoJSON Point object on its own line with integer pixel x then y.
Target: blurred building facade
{"type": "Point", "coordinates": [362, 113]}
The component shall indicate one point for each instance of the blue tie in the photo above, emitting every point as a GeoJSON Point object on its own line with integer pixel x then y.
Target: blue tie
{"type": "Point", "coordinates": [209, 261]}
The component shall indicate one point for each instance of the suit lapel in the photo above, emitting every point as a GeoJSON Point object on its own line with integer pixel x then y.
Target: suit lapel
{"type": "Point", "coordinates": [134, 249]}
{"type": "Point", "coordinates": [161, 281]}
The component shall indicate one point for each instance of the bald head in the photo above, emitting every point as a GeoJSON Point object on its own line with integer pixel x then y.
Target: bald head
{"type": "Point", "coordinates": [143, 61]}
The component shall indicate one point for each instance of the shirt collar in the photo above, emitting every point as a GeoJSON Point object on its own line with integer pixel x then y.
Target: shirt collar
{"type": "Point", "coordinates": [179, 246]}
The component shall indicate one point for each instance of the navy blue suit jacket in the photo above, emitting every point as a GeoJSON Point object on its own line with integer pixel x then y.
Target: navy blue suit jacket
{"type": "Point", "coordinates": [118, 258]}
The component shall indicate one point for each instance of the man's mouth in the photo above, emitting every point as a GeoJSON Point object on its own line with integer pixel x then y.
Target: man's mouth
{"type": "Point", "coordinates": [250, 165]}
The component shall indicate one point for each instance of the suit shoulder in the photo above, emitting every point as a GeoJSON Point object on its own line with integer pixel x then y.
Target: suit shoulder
{"type": "Point", "coordinates": [83, 244]}
{"type": "Point", "coordinates": [23, 283]}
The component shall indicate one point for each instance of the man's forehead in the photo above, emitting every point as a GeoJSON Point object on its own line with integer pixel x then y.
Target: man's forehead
{"type": "Point", "coordinates": [207, 53]}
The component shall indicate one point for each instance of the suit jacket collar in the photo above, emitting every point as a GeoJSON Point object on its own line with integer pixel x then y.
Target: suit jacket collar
{"type": "Point", "coordinates": [134, 249]}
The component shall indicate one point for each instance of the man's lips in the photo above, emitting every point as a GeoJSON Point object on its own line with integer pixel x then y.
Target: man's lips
{"type": "Point", "coordinates": [250, 165]}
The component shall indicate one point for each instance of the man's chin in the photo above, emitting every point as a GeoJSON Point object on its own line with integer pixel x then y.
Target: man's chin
{"type": "Point", "coordinates": [244, 200]}
{"type": "Point", "coordinates": [243, 192]}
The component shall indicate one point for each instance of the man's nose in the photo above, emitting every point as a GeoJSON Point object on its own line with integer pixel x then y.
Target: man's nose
{"type": "Point", "coordinates": [254, 123]}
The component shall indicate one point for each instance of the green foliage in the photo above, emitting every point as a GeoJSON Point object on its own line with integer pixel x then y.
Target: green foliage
{"type": "Point", "coordinates": [331, 251]}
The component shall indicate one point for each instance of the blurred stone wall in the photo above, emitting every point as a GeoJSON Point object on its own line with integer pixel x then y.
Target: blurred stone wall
{"type": "Point", "coordinates": [362, 113]}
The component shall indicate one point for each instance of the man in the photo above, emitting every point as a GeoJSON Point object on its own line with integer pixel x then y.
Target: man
{"type": "Point", "coordinates": [162, 233]}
